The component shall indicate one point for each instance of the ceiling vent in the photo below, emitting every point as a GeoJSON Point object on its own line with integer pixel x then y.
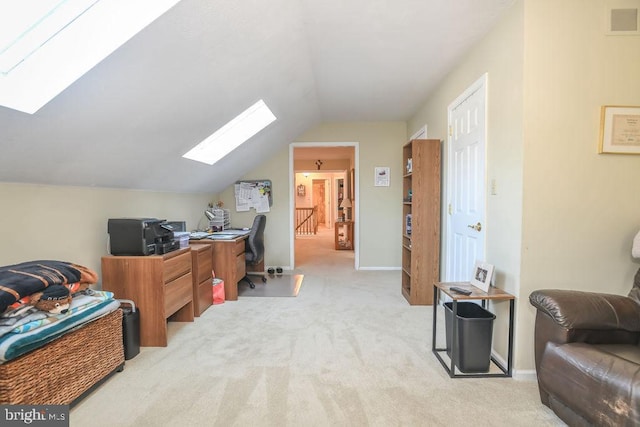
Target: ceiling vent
{"type": "Point", "coordinates": [623, 17]}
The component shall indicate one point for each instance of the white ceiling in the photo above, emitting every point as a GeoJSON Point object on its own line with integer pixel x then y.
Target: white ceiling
{"type": "Point", "coordinates": [127, 122]}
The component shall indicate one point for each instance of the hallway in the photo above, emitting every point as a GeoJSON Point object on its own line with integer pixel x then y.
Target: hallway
{"type": "Point", "coordinates": [317, 253]}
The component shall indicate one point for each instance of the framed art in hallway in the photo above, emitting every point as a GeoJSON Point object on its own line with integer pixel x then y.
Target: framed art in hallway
{"type": "Point", "coordinates": [619, 130]}
{"type": "Point", "coordinates": [381, 176]}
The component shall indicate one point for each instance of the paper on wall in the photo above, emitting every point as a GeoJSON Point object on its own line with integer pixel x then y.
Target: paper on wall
{"type": "Point", "coordinates": [242, 199]}
{"type": "Point", "coordinates": [262, 203]}
{"type": "Point", "coordinates": [249, 196]}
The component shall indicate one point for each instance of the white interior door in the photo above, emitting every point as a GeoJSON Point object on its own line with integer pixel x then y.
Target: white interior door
{"type": "Point", "coordinates": [466, 182]}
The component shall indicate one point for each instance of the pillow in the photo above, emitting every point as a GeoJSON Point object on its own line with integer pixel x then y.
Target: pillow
{"type": "Point", "coordinates": [20, 280]}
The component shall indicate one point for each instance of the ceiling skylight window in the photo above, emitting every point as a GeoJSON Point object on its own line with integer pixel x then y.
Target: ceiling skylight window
{"type": "Point", "coordinates": [24, 31]}
{"type": "Point", "coordinates": [46, 45]}
{"type": "Point", "coordinates": [233, 134]}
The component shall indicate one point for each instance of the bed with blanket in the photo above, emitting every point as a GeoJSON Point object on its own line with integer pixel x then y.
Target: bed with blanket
{"type": "Point", "coordinates": [51, 357]}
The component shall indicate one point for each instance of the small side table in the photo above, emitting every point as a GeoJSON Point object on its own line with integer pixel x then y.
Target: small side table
{"type": "Point", "coordinates": [493, 294]}
{"type": "Point", "coordinates": [344, 235]}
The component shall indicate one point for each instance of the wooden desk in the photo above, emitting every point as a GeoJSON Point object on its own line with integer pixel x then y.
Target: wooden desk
{"type": "Point", "coordinates": [160, 285]}
{"type": "Point", "coordinates": [493, 294]}
{"type": "Point", "coordinates": [228, 262]}
{"type": "Point", "coordinates": [344, 235]}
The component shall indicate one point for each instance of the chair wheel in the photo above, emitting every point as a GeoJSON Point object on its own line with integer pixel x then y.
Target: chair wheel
{"type": "Point", "coordinates": [252, 286]}
{"type": "Point", "coordinates": [264, 279]}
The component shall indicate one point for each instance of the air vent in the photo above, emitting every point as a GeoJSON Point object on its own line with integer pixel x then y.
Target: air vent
{"type": "Point", "coordinates": [623, 17]}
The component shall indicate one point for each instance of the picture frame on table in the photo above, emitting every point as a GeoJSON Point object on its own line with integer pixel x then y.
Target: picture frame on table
{"type": "Point", "coordinates": [482, 275]}
{"type": "Point", "coordinates": [619, 130]}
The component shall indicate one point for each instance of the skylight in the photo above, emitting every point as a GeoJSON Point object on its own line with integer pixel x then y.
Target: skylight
{"type": "Point", "coordinates": [46, 45]}
{"type": "Point", "coordinates": [230, 136]}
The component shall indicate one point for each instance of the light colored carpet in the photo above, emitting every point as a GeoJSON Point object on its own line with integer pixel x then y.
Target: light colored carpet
{"type": "Point", "coordinates": [277, 285]}
{"type": "Point", "coordinates": [348, 351]}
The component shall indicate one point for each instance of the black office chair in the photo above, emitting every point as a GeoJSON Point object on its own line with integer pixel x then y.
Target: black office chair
{"type": "Point", "coordinates": [254, 248]}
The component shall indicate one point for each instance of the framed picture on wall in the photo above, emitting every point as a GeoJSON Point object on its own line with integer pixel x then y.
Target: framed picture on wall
{"type": "Point", "coordinates": [381, 176]}
{"type": "Point", "coordinates": [619, 130]}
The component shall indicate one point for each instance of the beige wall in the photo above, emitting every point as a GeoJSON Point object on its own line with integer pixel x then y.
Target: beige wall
{"type": "Point", "coordinates": [327, 165]}
{"type": "Point", "coordinates": [380, 144]}
{"type": "Point", "coordinates": [581, 209]}
{"type": "Point", "coordinates": [70, 223]}
{"type": "Point", "coordinates": [563, 216]}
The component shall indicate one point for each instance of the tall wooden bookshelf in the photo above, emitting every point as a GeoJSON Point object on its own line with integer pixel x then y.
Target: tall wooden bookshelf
{"type": "Point", "coordinates": [421, 201]}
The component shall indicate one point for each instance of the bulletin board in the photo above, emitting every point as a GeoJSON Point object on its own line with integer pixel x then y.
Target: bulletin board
{"type": "Point", "coordinates": [254, 194]}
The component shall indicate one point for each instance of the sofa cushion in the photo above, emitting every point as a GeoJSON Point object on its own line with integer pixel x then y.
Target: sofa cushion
{"type": "Point", "coordinates": [601, 383]}
{"type": "Point", "coordinates": [630, 353]}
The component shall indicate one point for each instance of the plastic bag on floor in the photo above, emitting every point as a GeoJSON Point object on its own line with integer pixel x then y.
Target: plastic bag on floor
{"type": "Point", "coordinates": [218, 291]}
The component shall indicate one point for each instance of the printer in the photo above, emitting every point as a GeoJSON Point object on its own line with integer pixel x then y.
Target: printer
{"type": "Point", "coordinates": [140, 236]}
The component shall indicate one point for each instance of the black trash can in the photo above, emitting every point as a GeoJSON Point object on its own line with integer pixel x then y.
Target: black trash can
{"type": "Point", "coordinates": [475, 331]}
{"type": "Point", "coordinates": [130, 328]}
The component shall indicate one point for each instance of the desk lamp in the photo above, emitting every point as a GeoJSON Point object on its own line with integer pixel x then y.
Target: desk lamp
{"type": "Point", "coordinates": [210, 218]}
{"type": "Point", "coordinates": [346, 203]}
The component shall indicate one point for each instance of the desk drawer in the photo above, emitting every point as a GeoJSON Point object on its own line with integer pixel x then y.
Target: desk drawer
{"type": "Point", "coordinates": [201, 262]}
{"type": "Point", "coordinates": [239, 249]}
{"type": "Point", "coordinates": [204, 296]}
{"type": "Point", "coordinates": [177, 293]}
{"type": "Point", "coordinates": [204, 267]}
{"type": "Point", "coordinates": [176, 266]}
{"type": "Point", "coordinates": [241, 266]}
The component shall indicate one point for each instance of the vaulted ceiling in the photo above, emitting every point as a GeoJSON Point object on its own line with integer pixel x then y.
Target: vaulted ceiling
{"type": "Point", "coordinates": [127, 122]}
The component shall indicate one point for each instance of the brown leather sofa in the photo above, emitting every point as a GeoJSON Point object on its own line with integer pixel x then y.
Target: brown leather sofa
{"type": "Point", "coordinates": [587, 351]}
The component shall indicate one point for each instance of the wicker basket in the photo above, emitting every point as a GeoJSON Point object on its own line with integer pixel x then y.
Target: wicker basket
{"type": "Point", "coordinates": [61, 371]}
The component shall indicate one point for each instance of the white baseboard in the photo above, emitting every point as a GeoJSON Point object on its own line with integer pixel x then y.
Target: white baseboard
{"type": "Point", "coordinates": [520, 374]}
{"type": "Point", "coordinates": [525, 375]}
{"type": "Point", "coordinates": [284, 268]}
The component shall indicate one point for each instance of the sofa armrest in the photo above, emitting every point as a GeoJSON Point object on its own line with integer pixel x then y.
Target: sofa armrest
{"type": "Point", "coordinates": [588, 310]}
{"type": "Point", "coordinates": [565, 316]}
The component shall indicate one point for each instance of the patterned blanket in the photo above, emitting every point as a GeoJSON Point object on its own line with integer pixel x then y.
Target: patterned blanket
{"type": "Point", "coordinates": [21, 280]}
{"type": "Point", "coordinates": [40, 332]}
{"type": "Point", "coordinates": [27, 318]}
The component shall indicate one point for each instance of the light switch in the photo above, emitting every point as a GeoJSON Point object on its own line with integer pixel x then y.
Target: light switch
{"type": "Point", "coordinates": [493, 187]}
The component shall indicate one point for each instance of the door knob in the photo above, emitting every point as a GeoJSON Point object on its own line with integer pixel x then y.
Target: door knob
{"type": "Point", "coordinates": [476, 227]}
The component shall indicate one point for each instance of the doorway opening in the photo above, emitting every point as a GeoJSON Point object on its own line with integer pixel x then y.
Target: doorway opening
{"type": "Point", "coordinates": [323, 184]}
